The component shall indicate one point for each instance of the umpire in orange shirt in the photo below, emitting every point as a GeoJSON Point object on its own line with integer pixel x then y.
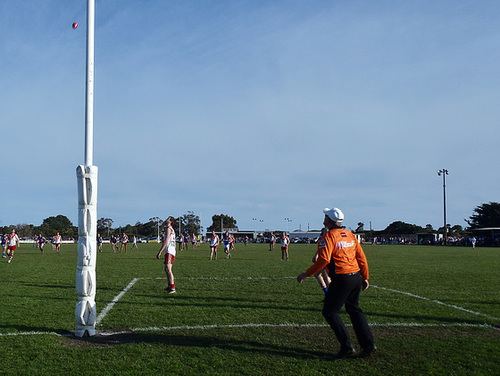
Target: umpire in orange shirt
{"type": "Point", "coordinates": [340, 251]}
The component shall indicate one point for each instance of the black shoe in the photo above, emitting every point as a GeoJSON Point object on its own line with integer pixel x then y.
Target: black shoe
{"type": "Point", "coordinates": [345, 353]}
{"type": "Point", "coordinates": [367, 351]}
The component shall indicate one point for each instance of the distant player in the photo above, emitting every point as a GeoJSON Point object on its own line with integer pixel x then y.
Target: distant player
{"type": "Point", "coordinates": [272, 241]}
{"type": "Point", "coordinates": [134, 242]}
{"type": "Point", "coordinates": [322, 276]}
{"type": "Point", "coordinates": [169, 248]}
{"type": "Point", "coordinates": [4, 244]}
{"type": "Point", "coordinates": [180, 241]}
{"type": "Point", "coordinates": [227, 244]}
{"type": "Point", "coordinates": [124, 241]}
{"type": "Point", "coordinates": [13, 243]}
{"type": "Point", "coordinates": [57, 242]}
{"type": "Point", "coordinates": [214, 243]}
{"type": "Point", "coordinates": [183, 242]}
{"type": "Point", "coordinates": [193, 241]}
{"type": "Point", "coordinates": [285, 240]}
{"type": "Point", "coordinates": [41, 243]}
{"type": "Point", "coordinates": [232, 243]}
{"type": "Point", "coordinates": [114, 242]}
{"type": "Point", "coordinates": [99, 242]}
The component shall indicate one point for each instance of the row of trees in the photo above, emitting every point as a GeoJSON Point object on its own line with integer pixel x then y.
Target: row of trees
{"type": "Point", "coordinates": [188, 223]}
{"type": "Point", "coordinates": [50, 227]}
{"type": "Point", "coordinates": [485, 215]}
{"type": "Point", "coordinates": [398, 228]}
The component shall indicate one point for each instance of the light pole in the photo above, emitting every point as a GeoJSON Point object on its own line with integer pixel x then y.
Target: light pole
{"type": "Point", "coordinates": [444, 172]}
{"type": "Point", "coordinates": [288, 220]}
{"type": "Point", "coordinates": [261, 224]}
{"type": "Point", "coordinates": [157, 220]}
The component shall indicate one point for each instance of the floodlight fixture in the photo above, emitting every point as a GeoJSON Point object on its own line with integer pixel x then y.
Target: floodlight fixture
{"type": "Point", "coordinates": [443, 172]}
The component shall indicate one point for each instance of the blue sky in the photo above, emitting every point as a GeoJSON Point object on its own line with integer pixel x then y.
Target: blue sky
{"type": "Point", "coordinates": [254, 109]}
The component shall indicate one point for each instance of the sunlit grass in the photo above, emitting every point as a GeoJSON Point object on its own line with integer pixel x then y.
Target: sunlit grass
{"type": "Point", "coordinates": [247, 315]}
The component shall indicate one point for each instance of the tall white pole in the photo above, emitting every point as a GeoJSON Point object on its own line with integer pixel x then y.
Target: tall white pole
{"type": "Point", "coordinates": [89, 107]}
{"type": "Point", "coordinates": [85, 310]}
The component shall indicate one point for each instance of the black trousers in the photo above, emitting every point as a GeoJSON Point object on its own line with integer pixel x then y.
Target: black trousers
{"type": "Point", "coordinates": [345, 290]}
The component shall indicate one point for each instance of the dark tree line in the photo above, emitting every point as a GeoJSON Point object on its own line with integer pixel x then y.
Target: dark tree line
{"type": "Point", "coordinates": [49, 228]}
{"type": "Point", "coordinates": [484, 215]}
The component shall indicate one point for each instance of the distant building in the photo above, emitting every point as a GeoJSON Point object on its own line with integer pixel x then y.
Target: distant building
{"type": "Point", "coordinates": [304, 236]}
{"type": "Point", "coordinates": [487, 236]}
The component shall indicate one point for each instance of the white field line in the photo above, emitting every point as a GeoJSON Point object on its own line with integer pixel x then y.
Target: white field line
{"type": "Point", "coordinates": [28, 334]}
{"type": "Point", "coordinates": [292, 325]}
{"type": "Point", "coordinates": [251, 325]}
{"type": "Point", "coordinates": [222, 278]}
{"type": "Point", "coordinates": [105, 311]}
{"type": "Point", "coordinates": [437, 302]}
{"type": "Point", "coordinates": [114, 301]}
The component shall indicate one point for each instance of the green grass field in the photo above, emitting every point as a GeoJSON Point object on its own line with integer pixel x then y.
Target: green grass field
{"type": "Point", "coordinates": [433, 310]}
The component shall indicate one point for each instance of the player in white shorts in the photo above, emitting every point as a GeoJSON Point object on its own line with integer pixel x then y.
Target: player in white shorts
{"type": "Point", "coordinates": [285, 240]}
{"type": "Point", "coordinates": [169, 248]}
{"type": "Point", "coordinates": [214, 243]}
{"type": "Point", "coordinates": [13, 243]}
{"type": "Point", "coordinates": [124, 241]}
{"type": "Point", "coordinates": [57, 242]}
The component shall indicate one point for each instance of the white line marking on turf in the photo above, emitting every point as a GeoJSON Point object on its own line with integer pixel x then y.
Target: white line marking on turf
{"type": "Point", "coordinates": [437, 302]}
{"type": "Point", "coordinates": [28, 334]}
{"type": "Point", "coordinates": [114, 301]}
{"type": "Point", "coordinates": [250, 325]}
{"type": "Point", "coordinates": [289, 325]}
{"type": "Point", "coordinates": [206, 327]}
{"type": "Point", "coordinates": [221, 278]}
